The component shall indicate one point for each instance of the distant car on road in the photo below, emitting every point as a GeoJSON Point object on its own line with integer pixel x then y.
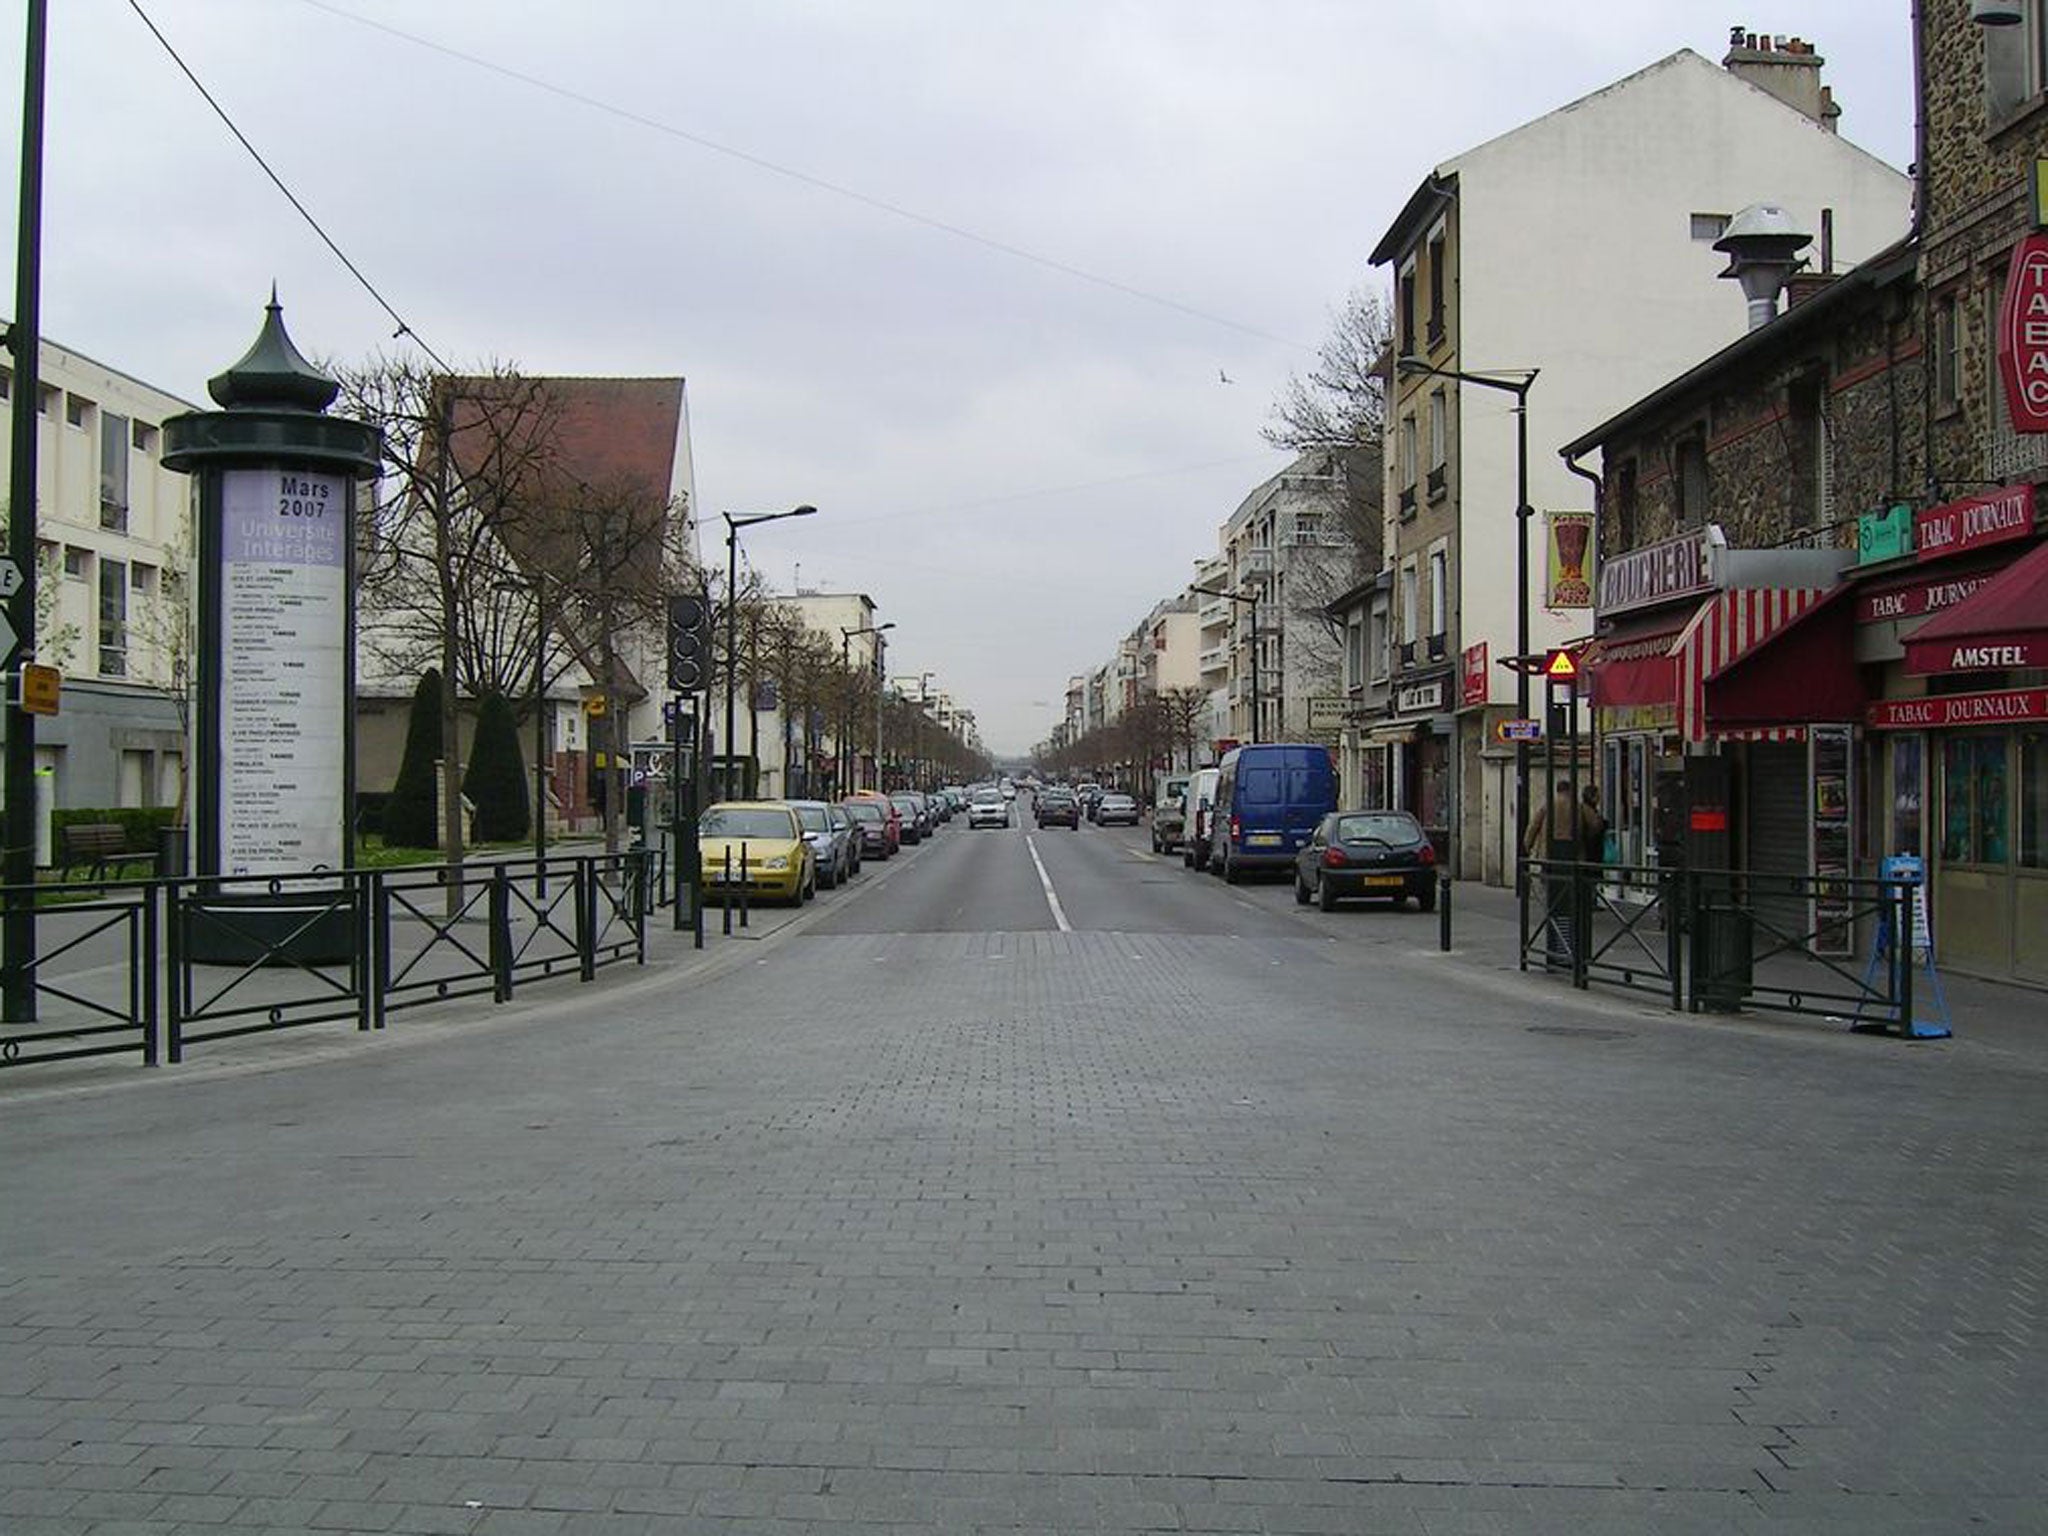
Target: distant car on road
{"type": "Point", "coordinates": [1374, 855]}
{"type": "Point", "coordinates": [988, 808]}
{"type": "Point", "coordinates": [1057, 808]}
{"type": "Point", "coordinates": [1116, 810]}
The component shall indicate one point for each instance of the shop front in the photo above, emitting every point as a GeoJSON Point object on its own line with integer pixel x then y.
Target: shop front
{"type": "Point", "coordinates": [1420, 740]}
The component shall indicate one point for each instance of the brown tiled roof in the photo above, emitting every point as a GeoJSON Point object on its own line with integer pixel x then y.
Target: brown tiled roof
{"type": "Point", "coordinates": [613, 433]}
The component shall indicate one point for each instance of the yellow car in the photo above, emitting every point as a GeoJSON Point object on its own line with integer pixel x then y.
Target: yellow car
{"type": "Point", "coordinates": [759, 843]}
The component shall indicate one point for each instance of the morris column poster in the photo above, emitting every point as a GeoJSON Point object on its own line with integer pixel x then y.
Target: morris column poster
{"type": "Point", "coordinates": [284, 627]}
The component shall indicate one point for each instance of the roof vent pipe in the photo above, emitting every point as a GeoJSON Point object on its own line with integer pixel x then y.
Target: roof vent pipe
{"type": "Point", "coordinates": [1762, 243]}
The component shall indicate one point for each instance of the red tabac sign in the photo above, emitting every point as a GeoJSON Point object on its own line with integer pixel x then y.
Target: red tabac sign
{"type": "Point", "coordinates": [2023, 336]}
{"type": "Point", "coordinates": [1974, 522]}
{"type": "Point", "coordinates": [2009, 707]}
{"type": "Point", "coordinates": [1913, 599]}
{"type": "Point", "coordinates": [1475, 674]}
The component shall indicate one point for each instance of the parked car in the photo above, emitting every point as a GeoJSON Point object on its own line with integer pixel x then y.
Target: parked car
{"type": "Point", "coordinates": [881, 828]}
{"type": "Point", "coordinates": [988, 808]}
{"type": "Point", "coordinates": [758, 844]}
{"type": "Point", "coordinates": [916, 821]}
{"type": "Point", "coordinates": [854, 840]}
{"type": "Point", "coordinates": [1378, 855]}
{"type": "Point", "coordinates": [834, 844]}
{"type": "Point", "coordinates": [1057, 808]}
{"type": "Point", "coordinates": [1269, 798]}
{"type": "Point", "coordinates": [1116, 810]}
{"type": "Point", "coordinates": [1169, 822]}
{"type": "Point", "coordinates": [1197, 809]}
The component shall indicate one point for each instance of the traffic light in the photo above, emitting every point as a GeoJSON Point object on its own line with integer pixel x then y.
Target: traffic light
{"type": "Point", "coordinates": [689, 643]}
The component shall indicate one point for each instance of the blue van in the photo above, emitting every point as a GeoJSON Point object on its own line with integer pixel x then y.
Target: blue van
{"type": "Point", "coordinates": [1269, 798]}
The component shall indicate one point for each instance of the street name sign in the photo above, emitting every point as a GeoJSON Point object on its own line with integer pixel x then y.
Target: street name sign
{"type": "Point", "coordinates": [1519, 730]}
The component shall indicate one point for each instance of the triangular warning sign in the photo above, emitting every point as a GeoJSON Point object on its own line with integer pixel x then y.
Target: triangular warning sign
{"type": "Point", "coordinates": [1561, 666]}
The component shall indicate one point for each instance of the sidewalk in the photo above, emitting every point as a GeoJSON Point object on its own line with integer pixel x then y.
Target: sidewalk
{"type": "Point", "coordinates": [2002, 1016]}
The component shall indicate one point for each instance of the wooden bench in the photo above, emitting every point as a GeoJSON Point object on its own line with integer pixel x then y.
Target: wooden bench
{"type": "Point", "coordinates": [96, 847]}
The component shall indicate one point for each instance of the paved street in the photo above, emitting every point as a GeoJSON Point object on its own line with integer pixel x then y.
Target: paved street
{"type": "Point", "coordinates": [1034, 1183]}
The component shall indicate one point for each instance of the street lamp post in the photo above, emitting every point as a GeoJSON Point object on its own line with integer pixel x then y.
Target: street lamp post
{"type": "Point", "coordinates": [846, 755]}
{"type": "Point", "coordinates": [733, 525]}
{"type": "Point", "coordinates": [1517, 384]}
{"type": "Point", "coordinates": [1253, 600]}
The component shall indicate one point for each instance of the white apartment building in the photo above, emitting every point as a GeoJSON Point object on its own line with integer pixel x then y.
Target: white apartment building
{"type": "Point", "coordinates": [113, 542]}
{"type": "Point", "coordinates": [1580, 245]}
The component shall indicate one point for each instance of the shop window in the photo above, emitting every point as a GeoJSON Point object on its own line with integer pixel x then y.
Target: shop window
{"type": "Point", "coordinates": [1906, 753]}
{"type": "Point", "coordinates": [1974, 809]}
{"type": "Point", "coordinates": [2034, 799]}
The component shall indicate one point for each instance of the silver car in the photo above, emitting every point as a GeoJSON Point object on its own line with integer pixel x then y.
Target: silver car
{"type": "Point", "coordinates": [988, 808]}
{"type": "Point", "coordinates": [833, 838]}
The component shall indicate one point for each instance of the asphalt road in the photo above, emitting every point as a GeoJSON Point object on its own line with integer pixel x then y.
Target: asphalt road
{"type": "Point", "coordinates": [1035, 1183]}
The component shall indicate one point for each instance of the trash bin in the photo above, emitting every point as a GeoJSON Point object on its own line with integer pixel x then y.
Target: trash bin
{"type": "Point", "coordinates": [171, 847]}
{"type": "Point", "coordinates": [1721, 956]}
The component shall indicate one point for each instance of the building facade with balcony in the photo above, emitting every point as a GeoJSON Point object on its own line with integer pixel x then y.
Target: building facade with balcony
{"type": "Point", "coordinates": [113, 541]}
{"type": "Point", "coordinates": [1580, 245]}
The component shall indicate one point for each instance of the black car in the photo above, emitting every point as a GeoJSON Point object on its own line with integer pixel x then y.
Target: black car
{"type": "Point", "coordinates": [1057, 808]}
{"type": "Point", "coordinates": [1374, 855]}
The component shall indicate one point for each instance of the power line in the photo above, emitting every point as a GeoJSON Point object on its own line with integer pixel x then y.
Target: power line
{"type": "Point", "coordinates": [817, 183]}
{"type": "Point", "coordinates": [1050, 490]}
{"type": "Point", "coordinates": [277, 181]}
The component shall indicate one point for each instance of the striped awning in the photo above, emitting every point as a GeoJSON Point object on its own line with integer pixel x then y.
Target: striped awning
{"type": "Point", "coordinates": [1726, 628]}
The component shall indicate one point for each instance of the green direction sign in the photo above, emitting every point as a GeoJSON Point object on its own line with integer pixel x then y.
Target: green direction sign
{"type": "Point", "coordinates": [1884, 535]}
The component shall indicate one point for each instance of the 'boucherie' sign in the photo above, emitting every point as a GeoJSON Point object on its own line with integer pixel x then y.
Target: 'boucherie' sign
{"type": "Point", "coordinates": [1660, 573]}
{"type": "Point", "coordinates": [2023, 336]}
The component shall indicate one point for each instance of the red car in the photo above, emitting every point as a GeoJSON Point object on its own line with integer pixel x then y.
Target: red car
{"type": "Point", "coordinates": [880, 823]}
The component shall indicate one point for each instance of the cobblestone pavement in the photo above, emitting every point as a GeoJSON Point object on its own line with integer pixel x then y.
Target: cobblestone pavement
{"type": "Point", "coordinates": [1053, 1232]}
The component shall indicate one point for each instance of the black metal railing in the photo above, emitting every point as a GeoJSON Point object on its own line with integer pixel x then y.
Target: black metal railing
{"type": "Point", "coordinates": [199, 959]}
{"type": "Point", "coordinates": [1714, 940]}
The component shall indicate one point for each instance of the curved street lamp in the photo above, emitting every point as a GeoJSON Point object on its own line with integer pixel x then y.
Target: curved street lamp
{"type": "Point", "coordinates": [733, 524]}
{"type": "Point", "coordinates": [846, 754]}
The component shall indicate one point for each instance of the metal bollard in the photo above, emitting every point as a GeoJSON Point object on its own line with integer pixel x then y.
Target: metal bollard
{"type": "Point", "coordinates": [725, 896]}
{"type": "Point", "coordinates": [743, 885]}
{"type": "Point", "coordinates": [1443, 913]}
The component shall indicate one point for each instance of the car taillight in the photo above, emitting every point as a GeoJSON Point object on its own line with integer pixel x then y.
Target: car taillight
{"type": "Point", "coordinates": [1333, 858]}
{"type": "Point", "coordinates": [1236, 830]}
{"type": "Point", "coordinates": [1429, 853]}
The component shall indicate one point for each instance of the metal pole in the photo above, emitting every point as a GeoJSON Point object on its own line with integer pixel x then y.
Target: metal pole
{"type": "Point", "coordinates": [1256, 700]}
{"type": "Point", "coordinates": [1522, 516]}
{"type": "Point", "coordinates": [18, 847]}
{"type": "Point", "coordinates": [732, 645]}
{"type": "Point", "coordinates": [845, 772]}
{"type": "Point", "coordinates": [540, 741]}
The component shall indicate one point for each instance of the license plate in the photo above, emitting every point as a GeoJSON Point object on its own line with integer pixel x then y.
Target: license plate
{"type": "Point", "coordinates": [1264, 840]}
{"type": "Point", "coordinates": [1378, 881]}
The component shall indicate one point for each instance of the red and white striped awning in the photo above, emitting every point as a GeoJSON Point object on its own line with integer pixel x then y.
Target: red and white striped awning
{"type": "Point", "coordinates": [1726, 628]}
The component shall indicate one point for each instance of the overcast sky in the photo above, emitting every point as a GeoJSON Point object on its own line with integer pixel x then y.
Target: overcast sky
{"type": "Point", "coordinates": [1015, 461]}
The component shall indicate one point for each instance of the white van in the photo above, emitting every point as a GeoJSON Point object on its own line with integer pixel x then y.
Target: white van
{"type": "Point", "coordinates": [1197, 801]}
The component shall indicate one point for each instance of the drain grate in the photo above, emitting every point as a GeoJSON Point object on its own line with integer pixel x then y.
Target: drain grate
{"type": "Point", "coordinates": [1581, 1032]}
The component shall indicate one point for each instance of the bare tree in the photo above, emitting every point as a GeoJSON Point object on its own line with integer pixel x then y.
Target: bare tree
{"type": "Point", "coordinates": [1183, 709]}
{"type": "Point", "coordinates": [464, 458]}
{"type": "Point", "coordinates": [1342, 400]}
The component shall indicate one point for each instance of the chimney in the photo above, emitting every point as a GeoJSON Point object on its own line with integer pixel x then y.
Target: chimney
{"type": "Point", "coordinates": [1788, 68]}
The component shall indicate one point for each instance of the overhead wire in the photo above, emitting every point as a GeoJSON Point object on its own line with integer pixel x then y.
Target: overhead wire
{"type": "Point", "coordinates": [404, 328]}
{"type": "Point", "coordinates": [805, 178]}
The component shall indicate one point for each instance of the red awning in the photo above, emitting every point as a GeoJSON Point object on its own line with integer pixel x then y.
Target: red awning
{"type": "Point", "coordinates": [1728, 627]}
{"type": "Point", "coordinates": [1633, 665]}
{"type": "Point", "coordinates": [2001, 626]}
{"type": "Point", "coordinates": [1805, 672]}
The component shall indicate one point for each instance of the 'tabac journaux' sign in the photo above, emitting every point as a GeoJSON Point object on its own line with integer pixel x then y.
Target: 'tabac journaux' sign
{"type": "Point", "coordinates": [1974, 522]}
{"type": "Point", "coordinates": [2023, 336]}
{"type": "Point", "coordinates": [2011, 707]}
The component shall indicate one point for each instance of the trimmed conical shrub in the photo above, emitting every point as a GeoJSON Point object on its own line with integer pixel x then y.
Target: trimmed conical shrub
{"type": "Point", "coordinates": [409, 815]}
{"type": "Point", "coordinates": [496, 781]}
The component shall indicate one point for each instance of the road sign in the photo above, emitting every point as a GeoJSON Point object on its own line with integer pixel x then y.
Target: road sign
{"type": "Point", "coordinates": [1518, 730]}
{"type": "Point", "coordinates": [41, 689]}
{"type": "Point", "coordinates": [9, 640]}
{"type": "Point", "coordinates": [10, 578]}
{"type": "Point", "coordinates": [1561, 666]}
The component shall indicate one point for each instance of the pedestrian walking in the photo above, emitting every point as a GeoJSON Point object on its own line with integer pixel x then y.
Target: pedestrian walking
{"type": "Point", "coordinates": [1592, 827]}
{"type": "Point", "coordinates": [1556, 836]}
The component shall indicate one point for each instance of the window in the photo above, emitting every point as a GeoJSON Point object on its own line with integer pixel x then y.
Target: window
{"type": "Point", "coordinates": [2014, 72]}
{"type": "Point", "coordinates": [1625, 506]}
{"type": "Point", "coordinates": [114, 446]}
{"type": "Point", "coordinates": [1806, 444]}
{"type": "Point", "coordinates": [113, 618]}
{"type": "Point", "coordinates": [77, 562]}
{"type": "Point", "coordinates": [1945, 367]}
{"type": "Point", "coordinates": [145, 438]}
{"type": "Point", "coordinates": [1438, 277]}
{"type": "Point", "coordinates": [1411, 623]}
{"type": "Point", "coordinates": [1439, 440]}
{"type": "Point", "coordinates": [1354, 653]}
{"type": "Point", "coordinates": [6, 383]}
{"type": "Point", "coordinates": [1376, 655]}
{"type": "Point", "coordinates": [1407, 314]}
{"type": "Point", "coordinates": [1308, 529]}
{"type": "Point", "coordinates": [1690, 473]}
{"type": "Point", "coordinates": [1709, 227]}
{"type": "Point", "coordinates": [1973, 800]}
{"type": "Point", "coordinates": [2034, 799]}
{"type": "Point", "coordinates": [1439, 592]}
{"type": "Point", "coordinates": [78, 410]}
{"type": "Point", "coordinates": [1406, 465]}
{"type": "Point", "coordinates": [46, 399]}
{"type": "Point", "coordinates": [142, 578]}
